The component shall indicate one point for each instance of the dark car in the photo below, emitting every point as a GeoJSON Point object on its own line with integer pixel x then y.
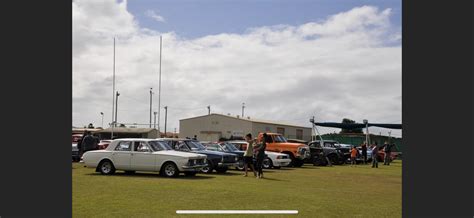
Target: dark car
{"type": "Point", "coordinates": [75, 152]}
{"type": "Point", "coordinates": [76, 156]}
{"type": "Point", "coordinates": [321, 152]}
{"type": "Point", "coordinates": [216, 160]}
{"type": "Point", "coordinates": [227, 148]}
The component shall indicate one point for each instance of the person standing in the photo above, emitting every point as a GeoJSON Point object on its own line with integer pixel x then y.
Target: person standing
{"type": "Point", "coordinates": [89, 143]}
{"type": "Point", "coordinates": [195, 137]}
{"type": "Point", "coordinates": [261, 155]}
{"type": "Point", "coordinates": [353, 155]}
{"type": "Point", "coordinates": [248, 155]}
{"type": "Point", "coordinates": [364, 152]}
{"type": "Point", "coordinates": [375, 150]}
{"type": "Point", "coordinates": [388, 151]}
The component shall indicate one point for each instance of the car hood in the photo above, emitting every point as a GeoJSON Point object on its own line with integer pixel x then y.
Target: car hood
{"type": "Point", "coordinates": [239, 153]}
{"type": "Point", "coordinates": [179, 154]}
{"type": "Point", "coordinates": [213, 153]}
{"type": "Point", "coordinates": [292, 144]}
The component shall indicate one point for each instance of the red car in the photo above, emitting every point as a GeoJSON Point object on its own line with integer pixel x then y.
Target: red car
{"type": "Point", "coordinates": [76, 137]}
{"type": "Point", "coordinates": [393, 155]}
{"type": "Point", "coordinates": [103, 144]}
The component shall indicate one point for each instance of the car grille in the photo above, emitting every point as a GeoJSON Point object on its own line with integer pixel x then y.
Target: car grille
{"type": "Point", "coordinates": [302, 151]}
{"type": "Point", "coordinates": [194, 162]}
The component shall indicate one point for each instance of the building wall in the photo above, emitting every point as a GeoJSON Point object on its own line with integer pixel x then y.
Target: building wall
{"type": "Point", "coordinates": [213, 127]}
{"type": "Point", "coordinates": [289, 131]}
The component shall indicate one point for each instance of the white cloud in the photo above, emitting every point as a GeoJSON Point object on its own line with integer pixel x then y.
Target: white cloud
{"type": "Point", "coordinates": [155, 16]}
{"type": "Point", "coordinates": [339, 67]}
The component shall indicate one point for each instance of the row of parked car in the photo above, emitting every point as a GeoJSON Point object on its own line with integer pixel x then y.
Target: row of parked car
{"type": "Point", "coordinates": [172, 156]}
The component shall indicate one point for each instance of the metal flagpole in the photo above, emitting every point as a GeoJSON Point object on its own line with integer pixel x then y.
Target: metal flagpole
{"type": "Point", "coordinates": [151, 99]}
{"type": "Point", "coordinates": [159, 90]}
{"type": "Point", "coordinates": [113, 97]}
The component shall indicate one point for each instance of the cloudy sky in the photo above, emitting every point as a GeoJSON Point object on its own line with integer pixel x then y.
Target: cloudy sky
{"type": "Point", "coordinates": [287, 60]}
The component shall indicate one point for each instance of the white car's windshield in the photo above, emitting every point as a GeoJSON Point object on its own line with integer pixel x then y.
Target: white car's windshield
{"type": "Point", "coordinates": [159, 145]}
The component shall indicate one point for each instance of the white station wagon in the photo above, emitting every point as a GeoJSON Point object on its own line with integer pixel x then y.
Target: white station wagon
{"type": "Point", "coordinates": [137, 154]}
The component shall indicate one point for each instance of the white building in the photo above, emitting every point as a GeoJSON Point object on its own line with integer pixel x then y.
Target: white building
{"type": "Point", "coordinates": [215, 126]}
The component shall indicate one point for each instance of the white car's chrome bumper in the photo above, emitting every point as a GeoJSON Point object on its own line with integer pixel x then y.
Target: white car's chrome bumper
{"type": "Point", "coordinates": [193, 168]}
{"type": "Point", "coordinates": [281, 162]}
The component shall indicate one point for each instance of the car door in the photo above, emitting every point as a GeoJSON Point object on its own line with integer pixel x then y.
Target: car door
{"type": "Point", "coordinates": [142, 157]}
{"type": "Point", "coordinates": [121, 155]}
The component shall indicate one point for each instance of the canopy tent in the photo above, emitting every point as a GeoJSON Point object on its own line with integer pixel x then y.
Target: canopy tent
{"type": "Point", "coordinates": [354, 126]}
{"type": "Point", "coordinates": [358, 125]}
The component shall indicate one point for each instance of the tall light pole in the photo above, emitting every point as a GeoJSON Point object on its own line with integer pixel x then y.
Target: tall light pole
{"type": "Point", "coordinates": [113, 96]}
{"type": "Point", "coordinates": [154, 124]}
{"type": "Point", "coordinates": [389, 137]}
{"type": "Point", "coordinates": [166, 117]}
{"type": "Point", "coordinates": [151, 99]}
{"type": "Point", "coordinates": [116, 106]}
{"type": "Point", "coordinates": [366, 122]}
{"type": "Point", "coordinates": [209, 110]}
{"type": "Point", "coordinates": [102, 116]}
{"type": "Point", "coordinates": [243, 106]}
{"type": "Point", "coordinates": [159, 86]}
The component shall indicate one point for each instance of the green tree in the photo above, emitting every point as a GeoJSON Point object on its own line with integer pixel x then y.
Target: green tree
{"type": "Point", "coordinates": [349, 121]}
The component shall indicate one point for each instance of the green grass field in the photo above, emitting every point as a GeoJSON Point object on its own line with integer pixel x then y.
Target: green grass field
{"type": "Point", "coordinates": [339, 191]}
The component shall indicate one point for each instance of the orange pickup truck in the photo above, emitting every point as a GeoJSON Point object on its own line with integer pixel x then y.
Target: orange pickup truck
{"type": "Point", "coordinates": [278, 143]}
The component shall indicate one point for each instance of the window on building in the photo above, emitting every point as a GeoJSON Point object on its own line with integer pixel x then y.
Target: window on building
{"type": "Point", "coordinates": [299, 134]}
{"type": "Point", "coordinates": [281, 131]}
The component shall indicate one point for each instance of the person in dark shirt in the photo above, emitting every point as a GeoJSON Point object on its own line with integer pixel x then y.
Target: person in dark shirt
{"type": "Point", "coordinates": [260, 148]}
{"type": "Point", "coordinates": [375, 151]}
{"type": "Point", "coordinates": [387, 148]}
{"type": "Point", "coordinates": [364, 152]}
{"type": "Point", "coordinates": [89, 142]}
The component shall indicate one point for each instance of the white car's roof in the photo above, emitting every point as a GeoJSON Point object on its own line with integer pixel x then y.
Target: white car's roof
{"type": "Point", "coordinates": [237, 141]}
{"type": "Point", "coordinates": [134, 139]}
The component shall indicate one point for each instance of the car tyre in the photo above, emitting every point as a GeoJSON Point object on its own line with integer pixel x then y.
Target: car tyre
{"type": "Point", "coordinates": [334, 159]}
{"type": "Point", "coordinates": [240, 166]}
{"type": "Point", "coordinates": [170, 170]}
{"type": "Point", "coordinates": [106, 167]}
{"type": "Point", "coordinates": [190, 173]}
{"type": "Point", "coordinates": [222, 169]}
{"type": "Point", "coordinates": [297, 162]}
{"type": "Point", "coordinates": [267, 163]}
{"type": "Point", "coordinates": [208, 168]}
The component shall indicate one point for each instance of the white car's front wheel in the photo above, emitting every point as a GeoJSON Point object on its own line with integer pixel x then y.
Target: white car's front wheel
{"type": "Point", "coordinates": [267, 163]}
{"type": "Point", "coordinates": [170, 170]}
{"type": "Point", "coordinates": [106, 167]}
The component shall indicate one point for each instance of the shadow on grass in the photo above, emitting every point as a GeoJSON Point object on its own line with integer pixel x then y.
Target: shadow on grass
{"type": "Point", "coordinates": [154, 175]}
{"type": "Point", "coordinates": [273, 179]}
{"type": "Point", "coordinates": [228, 173]}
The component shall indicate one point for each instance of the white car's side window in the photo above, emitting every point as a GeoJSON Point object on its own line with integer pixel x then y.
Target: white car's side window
{"type": "Point", "coordinates": [123, 146]}
{"type": "Point", "coordinates": [141, 147]}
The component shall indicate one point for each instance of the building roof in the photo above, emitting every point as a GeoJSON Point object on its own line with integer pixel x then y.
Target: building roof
{"type": "Point", "coordinates": [85, 129]}
{"type": "Point", "coordinates": [128, 130]}
{"type": "Point", "coordinates": [251, 120]}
